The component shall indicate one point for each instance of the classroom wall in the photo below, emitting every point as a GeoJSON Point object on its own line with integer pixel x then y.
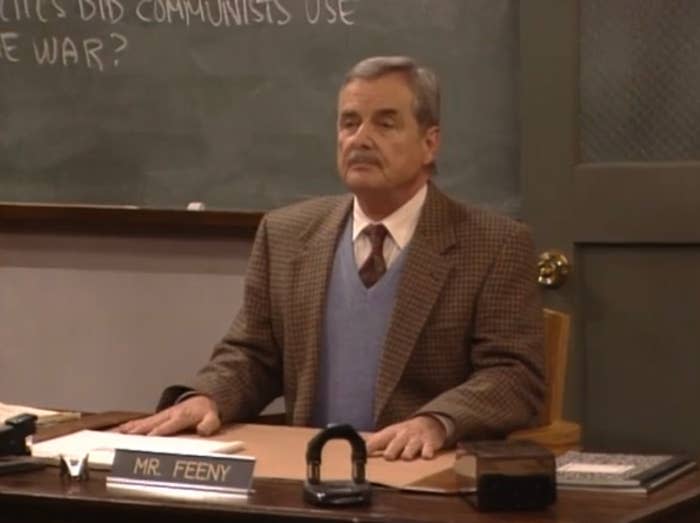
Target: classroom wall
{"type": "Point", "coordinates": [105, 322]}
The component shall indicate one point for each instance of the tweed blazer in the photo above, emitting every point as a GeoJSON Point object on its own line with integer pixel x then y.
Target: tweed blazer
{"type": "Point", "coordinates": [464, 339]}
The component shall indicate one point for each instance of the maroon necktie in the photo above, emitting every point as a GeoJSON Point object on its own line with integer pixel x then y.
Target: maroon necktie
{"type": "Point", "coordinates": [375, 266]}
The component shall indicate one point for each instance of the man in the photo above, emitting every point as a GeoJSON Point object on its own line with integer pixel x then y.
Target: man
{"type": "Point", "coordinates": [426, 328]}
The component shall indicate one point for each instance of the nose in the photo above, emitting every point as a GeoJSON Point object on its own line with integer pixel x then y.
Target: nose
{"type": "Point", "coordinates": [363, 137]}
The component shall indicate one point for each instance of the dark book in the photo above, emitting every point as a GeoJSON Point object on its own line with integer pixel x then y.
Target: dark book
{"type": "Point", "coordinates": [632, 473]}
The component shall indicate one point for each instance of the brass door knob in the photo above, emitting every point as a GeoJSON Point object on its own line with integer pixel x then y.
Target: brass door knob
{"type": "Point", "coordinates": [553, 269]}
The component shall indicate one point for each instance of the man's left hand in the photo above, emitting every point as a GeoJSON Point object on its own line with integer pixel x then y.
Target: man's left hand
{"type": "Point", "coordinates": [419, 436]}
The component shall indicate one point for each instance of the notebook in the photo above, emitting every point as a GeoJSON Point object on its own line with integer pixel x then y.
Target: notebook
{"type": "Point", "coordinates": [631, 473]}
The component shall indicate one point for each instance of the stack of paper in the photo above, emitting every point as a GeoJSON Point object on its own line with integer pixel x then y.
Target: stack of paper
{"type": "Point", "coordinates": [101, 446]}
{"type": "Point", "coordinates": [44, 416]}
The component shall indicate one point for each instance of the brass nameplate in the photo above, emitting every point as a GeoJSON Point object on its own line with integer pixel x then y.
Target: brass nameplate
{"type": "Point", "coordinates": [217, 473]}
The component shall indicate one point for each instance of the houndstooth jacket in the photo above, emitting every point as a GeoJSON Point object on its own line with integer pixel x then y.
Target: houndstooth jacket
{"type": "Point", "coordinates": [464, 340]}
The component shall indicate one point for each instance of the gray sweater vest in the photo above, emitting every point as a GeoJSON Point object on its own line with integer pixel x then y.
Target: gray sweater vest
{"type": "Point", "coordinates": [355, 324]}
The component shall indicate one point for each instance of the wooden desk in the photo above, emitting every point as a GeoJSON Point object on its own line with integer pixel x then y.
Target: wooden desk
{"type": "Point", "coordinates": [40, 496]}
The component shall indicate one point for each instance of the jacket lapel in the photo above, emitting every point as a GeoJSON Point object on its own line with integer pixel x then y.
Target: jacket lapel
{"type": "Point", "coordinates": [424, 274]}
{"type": "Point", "coordinates": [310, 272]}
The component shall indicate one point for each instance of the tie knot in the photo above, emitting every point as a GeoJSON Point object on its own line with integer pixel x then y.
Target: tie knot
{"type": "Point", "coordinates": [376, 234]}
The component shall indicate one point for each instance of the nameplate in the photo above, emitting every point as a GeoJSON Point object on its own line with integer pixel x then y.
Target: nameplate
{"type": "Point", "coordinates": [216, 473]}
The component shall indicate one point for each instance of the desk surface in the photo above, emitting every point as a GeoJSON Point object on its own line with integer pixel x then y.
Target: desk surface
{"type": "Point", "coordinates": [41, 496]}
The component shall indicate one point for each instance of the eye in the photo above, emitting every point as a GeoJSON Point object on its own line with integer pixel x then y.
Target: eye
{"type": "Point", "coordinates": [348, 123]}
{"type": "Point", "coordinates": [387, 123]}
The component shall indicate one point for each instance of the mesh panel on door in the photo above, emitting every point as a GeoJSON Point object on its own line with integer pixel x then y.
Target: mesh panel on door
{"type": "Point", "coordinates": [640, 80]}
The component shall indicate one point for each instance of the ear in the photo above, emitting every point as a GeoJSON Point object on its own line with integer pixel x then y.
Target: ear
{"type": "Point", "coordinates": [431, 144]}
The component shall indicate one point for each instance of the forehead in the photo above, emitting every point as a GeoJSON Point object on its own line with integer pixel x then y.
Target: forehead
{"type": "Point", "coordinates": [389, 91]}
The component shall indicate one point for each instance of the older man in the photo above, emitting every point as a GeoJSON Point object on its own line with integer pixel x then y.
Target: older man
{"type": "Point", "coordinates": [394, 308]}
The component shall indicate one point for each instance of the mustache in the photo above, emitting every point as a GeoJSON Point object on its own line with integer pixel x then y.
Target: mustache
{"type": "Point", "coordinates": [362, 156]}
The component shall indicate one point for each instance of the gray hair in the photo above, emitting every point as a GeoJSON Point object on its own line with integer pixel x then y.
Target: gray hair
{"type": "Point", "coordinates": [422, 81]}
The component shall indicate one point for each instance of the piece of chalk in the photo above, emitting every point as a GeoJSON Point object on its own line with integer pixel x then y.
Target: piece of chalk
{"type": "Point", "coordinates": [196, 206]}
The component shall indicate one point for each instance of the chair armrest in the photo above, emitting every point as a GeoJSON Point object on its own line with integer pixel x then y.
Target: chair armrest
{"type": "Point", "coordinates": [559, 436]}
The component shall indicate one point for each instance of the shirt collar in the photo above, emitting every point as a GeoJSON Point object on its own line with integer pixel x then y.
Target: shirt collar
{"type": "Point", "coordinates": [401, 224]}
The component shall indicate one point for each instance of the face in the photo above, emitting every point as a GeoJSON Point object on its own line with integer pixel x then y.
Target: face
{"type": "Point", "coordinates": [382, 151]}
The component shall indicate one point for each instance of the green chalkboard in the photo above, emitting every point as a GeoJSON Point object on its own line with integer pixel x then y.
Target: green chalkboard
{"type": "Point", "coordinates": [159, 103]}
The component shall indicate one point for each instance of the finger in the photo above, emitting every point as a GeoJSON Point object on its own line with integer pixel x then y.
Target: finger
{"type": "Point", "coordinates": [145, 425]}
{"type": "Point", "coordinates": [175, 423]}
{"type": "Point", "coordinates": [209, 424]}
{"type": "Point", "coordinates": [412, 448]}
{"type": "Point", "coordinates": [428, 451]}
{"type": "Point", "coordinates": [379, 440]}
{"type": "Point", "coordinates": [396, 446]}
{"type": "Point", "coordinates": [124, 428]}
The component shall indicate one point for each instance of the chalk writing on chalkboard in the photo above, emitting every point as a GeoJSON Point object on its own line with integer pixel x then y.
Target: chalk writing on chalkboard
{"type": "Point", "coordinates": [159, 103]}
{"type": "Point", "coordinates": [101, 52]}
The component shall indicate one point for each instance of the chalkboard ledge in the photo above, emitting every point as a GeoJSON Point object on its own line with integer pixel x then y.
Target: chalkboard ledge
{"type": "Point", "coordinates": [41, 218]}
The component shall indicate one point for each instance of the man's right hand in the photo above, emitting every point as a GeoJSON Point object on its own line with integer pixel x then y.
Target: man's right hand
{"type": "Point", "coordinates": [199, 412]}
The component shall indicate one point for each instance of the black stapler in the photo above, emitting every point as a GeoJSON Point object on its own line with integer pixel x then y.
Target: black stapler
{"type": "Point", "coordinates": [14, 453]}
{"type": "Point", "coordinates": [13, 435]}
{"type": "Point", "coordinates": [337, 493]}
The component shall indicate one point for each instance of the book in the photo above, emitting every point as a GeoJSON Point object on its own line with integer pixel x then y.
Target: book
{"type": "Point", "coordinates": [619, 472]}
{"type": "Point", "coordinates": [44, 416]}
{"type": "Point", "coordinates": [101, 446]}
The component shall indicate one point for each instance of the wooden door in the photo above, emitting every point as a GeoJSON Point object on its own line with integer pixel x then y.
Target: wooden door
{"type": "Point", "coordinates": [610, 163]}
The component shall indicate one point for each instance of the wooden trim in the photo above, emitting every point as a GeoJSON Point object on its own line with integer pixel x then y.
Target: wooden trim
{"type": "Point", "coordinates": [549, 136]}
{"type": "Point", "coordinates": [620, 191]}
{"type": "Point", "coordinates": [42, 218]}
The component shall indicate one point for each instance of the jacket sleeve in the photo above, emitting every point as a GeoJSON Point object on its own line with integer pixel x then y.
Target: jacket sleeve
{"type": "Point", "coordinates": [505, 389]}
{"type": "Point", "coordinates": [244, 372]}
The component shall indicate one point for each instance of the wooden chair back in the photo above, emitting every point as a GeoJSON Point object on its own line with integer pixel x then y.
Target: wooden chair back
{"type": "Point", "coordinates": [556, 346]}
{"type": "Point", "coordinates": [553, 431]}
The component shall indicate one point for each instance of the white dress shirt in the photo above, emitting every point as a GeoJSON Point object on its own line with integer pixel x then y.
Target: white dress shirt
{"type": "Point", "coordinates": [401, 225]}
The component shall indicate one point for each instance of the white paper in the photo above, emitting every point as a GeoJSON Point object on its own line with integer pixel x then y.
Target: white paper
{"type": "Point", "coordinates": [101, 445]}
{"type": "Point", "coordinates": [595, 468]}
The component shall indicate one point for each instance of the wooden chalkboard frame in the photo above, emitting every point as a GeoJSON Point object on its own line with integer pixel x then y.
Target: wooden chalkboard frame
{"type": "Point", "coordinates": [37, 218]}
